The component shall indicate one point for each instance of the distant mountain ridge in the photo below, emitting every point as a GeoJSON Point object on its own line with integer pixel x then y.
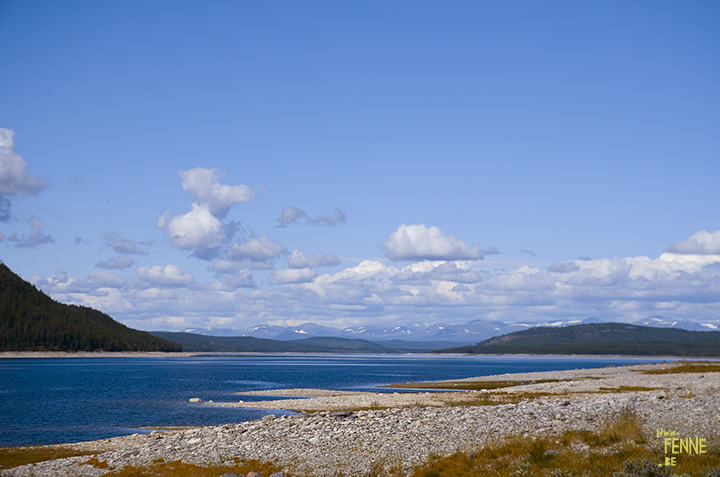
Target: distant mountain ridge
{"type": "Point", "coordinates": [601, 338]}
{"type": "Point", "coordinates": [466, 333]}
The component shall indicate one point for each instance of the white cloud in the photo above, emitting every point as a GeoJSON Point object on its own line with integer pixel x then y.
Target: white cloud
{"type": "Point", "coordinates": [289, 215]}
{"type": "Point", "coordinates": [338, 218]}
{"type": "Point", "coordinates": [699, 243]}
{"type": "Point", "coordinates": [292, 214]}
{"type": "Point", "coordinates": [298, 259]}
{"type": "Point", "coordinates": [167, 276]}
{"type": "Point", "coordinates": [240, 279]}
{"type": "Point", "coordinates": [122, 245]}
{"type": "Point", "coordinates": [198, 230]}
{"type": "Point", "coordinates": [202, 229]}
{"type": "Point", "coordinates": [205, 189]}
{"type": "Point", "coordinates": [258, 249]}
{"type": "Point", "coordinates": [417, 242]}
{"type": "Point", "coordinates": [618, 289]}
{"type": "Point", "coordinates": [115, 263]}
{"type": "Point", "coordinates": [37, 235]}
{"type": "Point", "coordinates": [293, 275]}
{"type": "Point", "coordinates": [15, 179]}
{"type": "Point", "coordinates": [103, 279]}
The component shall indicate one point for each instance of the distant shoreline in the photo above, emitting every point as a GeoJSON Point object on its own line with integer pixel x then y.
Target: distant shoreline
{"type": "Point", "coordinates": [189, 354]}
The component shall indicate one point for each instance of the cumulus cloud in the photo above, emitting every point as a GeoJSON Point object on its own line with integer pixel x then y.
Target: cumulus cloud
{"type": "Point", "coordinates": [205, 188]}
{"type": "Point", "coordinates": [257, 249]}
{"type": "Point", "coordinates": [338, 218]}
{"type": "Point", "coordinates": [120, 244]}
{"type": "Point", "coordinates": [202, 230]}
{"type": "Point", "coordinates": [81, 241]}
{"type": "Point", "coordinates": [37, 235]}
{"type": "Point", "coordinates": [564, 267]}
{"type": "Point", "coordinates": [15, 179]}
{"type": "Point", "coordinates": [240, 279]}
{"type": "Point", "coordinates": [618, 289]}
{"type": "Point", "coordinates": [115, 263]}
{"type": "Point", "coordinates": [450, 271]}
{"type": "Point", "coordinates": [167, 276]}
{"type": "Point", "coordinates": [198, 230]}
{"type": "Point", "coordinates": [292, 214]}
{"type": "Point", "coordinates": [699, 243]}
{"type": "Point", "coordinates": [293, 275]}
{"type": "Point", "coordinates": [103, 279]}
{"type": "Point", "coordinates": [418, 242]}
{"type": "Point", "coordinates": [298, 259]}
{"type": "Point", "coordinates": [289, 215]}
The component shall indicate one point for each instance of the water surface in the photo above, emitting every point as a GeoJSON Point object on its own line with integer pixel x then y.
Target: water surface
{"type": "Point", "coordinates": [55, 400]}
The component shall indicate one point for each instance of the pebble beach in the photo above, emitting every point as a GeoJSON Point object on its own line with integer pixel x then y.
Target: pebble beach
{"type": "Point", "coordinates": [326, 432]}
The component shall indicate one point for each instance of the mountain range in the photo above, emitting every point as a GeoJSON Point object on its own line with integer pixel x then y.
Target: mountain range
{"type": "Point", "coordinates": [457, 334]}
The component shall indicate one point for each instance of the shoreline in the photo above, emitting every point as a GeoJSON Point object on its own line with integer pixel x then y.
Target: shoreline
{"type": "Point", "coordinates": [188, 354]}
{"type": "Point", "coordinates": [348, 432]}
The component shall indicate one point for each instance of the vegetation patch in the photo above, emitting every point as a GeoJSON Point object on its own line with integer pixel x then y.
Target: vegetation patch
{"type": "Point", "coordinates": [686, 367]}
{"type": "Point", "coordinates": [15, 456]}
{"type": "Point", "coordinates": [618, 449]}
{"type": "Point", "coordinates": [623, 389]}
{"type": "Point", "coordinates": [182, 469]}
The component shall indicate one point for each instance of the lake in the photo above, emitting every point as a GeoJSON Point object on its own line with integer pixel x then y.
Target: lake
{"type": "Point", "coordinates": [56, 400]}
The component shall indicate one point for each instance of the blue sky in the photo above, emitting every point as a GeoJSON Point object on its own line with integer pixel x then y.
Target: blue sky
{"type": "Point", "coordinates": [232, 163]}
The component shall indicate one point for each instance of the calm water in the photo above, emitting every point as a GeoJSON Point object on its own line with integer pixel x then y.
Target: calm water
{"type": "Point", "coordinates": [46, 401]}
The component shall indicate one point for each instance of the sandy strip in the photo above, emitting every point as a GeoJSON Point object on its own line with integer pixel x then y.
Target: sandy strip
{"type": "Point", "coordinates": [569, 382]}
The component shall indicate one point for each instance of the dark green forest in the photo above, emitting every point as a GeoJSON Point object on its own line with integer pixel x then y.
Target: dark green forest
{"type": "Point", "coordinates": [32, 321]}
{"type": "Point", "coordinates": [601, 338]}
{"type": "Point", "coordinates": [248, 344]}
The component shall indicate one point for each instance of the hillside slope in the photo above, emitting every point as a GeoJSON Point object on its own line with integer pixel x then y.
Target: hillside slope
{"type": "Point", "coordinates": [248, 344]}
{"type": "Point", "coordinates": [32, 321]}
{"type": "Point", "coordinates": [601, 338]}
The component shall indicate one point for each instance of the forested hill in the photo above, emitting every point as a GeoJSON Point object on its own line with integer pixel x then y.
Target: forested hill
{"type": "Point", "coordinates": [32, 321]}
{"type": "Point", "coordinates": [602, 338]}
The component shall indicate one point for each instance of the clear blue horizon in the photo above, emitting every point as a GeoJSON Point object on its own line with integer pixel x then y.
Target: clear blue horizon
{"type": "Point", "coordinates": [225, 164]}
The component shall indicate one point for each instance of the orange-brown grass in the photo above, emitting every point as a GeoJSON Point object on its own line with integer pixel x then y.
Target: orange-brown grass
{"type": "Point", "coordinates": [181, 469]}
{"type": "Point", "coordinates": [588, 454]}
{"type": "Point", "coordinates": [687, 367]}
{"type": "Point", "coordinates": [95, 462]}
{"type": "Point", "coordinates": [623, 389]}
{"type": "Point", "coordinates": [14, 456]}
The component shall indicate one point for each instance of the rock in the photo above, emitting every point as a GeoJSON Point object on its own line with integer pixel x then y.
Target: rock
{"type": "Point", "coordinates": [195, 400]}
{"type": "Point", "coordinates": [340, 414]}
{"type": "Point", "coordinates": [278, 474]}
{"type": "Point", "coordinates": [253, 474]}
{"type": "Point", "coordinates": [230, 474]}
{"type": "Point", "coordinates": [269, 417]}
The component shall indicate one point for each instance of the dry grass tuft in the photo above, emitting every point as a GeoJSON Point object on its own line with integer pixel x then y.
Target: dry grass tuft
{"type": "Point", "coordinates": [15, 456]}
{"type": "Point", "coordinates": [182, 469]}
{"type": "Point", "coordinates": [687, 367]}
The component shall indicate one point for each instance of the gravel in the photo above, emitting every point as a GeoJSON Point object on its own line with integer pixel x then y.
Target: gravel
{"type": "Point", "coordinates": [356, 441]}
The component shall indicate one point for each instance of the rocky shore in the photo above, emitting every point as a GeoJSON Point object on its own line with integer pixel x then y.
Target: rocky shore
{"type": "Point", "coordinates": [403, 429]}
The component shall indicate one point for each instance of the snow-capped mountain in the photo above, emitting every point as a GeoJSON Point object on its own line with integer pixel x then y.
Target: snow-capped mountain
{"type": "Point", "coordinates": [214, 331]}
{"type": "Point", "coordinates": [471, 332]}
{"type": "Point", "coordinates": [663, 322]}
